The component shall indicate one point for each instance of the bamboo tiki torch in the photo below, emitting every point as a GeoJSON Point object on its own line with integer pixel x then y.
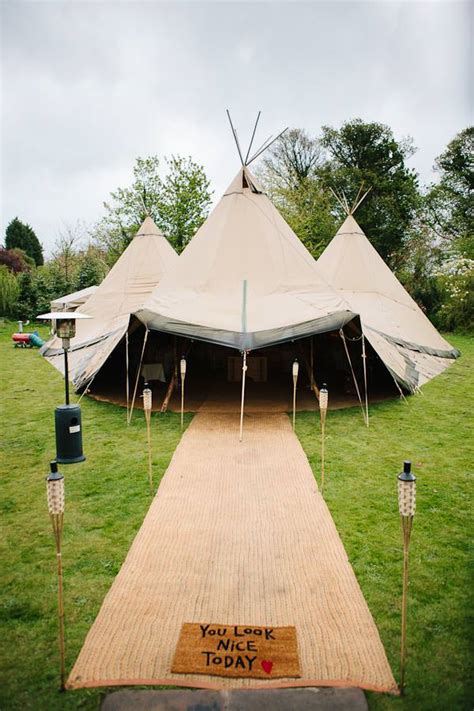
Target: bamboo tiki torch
{"type": "Point", "coordinates": [406, 507]}
{"type": "Point", "coordinates": [296, 368]}
{"type": "Point", "coordinates": [55, 497]}
{"type": "Point", "coordinates": [323, 408]}
{"type": "Point", "coordinates": [147, 405]}
{"type": "Point", "coordinates": [182, 367]}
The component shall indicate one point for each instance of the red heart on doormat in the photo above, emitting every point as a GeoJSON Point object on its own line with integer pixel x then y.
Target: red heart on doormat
{"type": "Point", "coordinates": [267, 666]}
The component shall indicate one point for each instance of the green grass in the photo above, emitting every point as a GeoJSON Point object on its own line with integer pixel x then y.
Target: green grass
{"type": "Point", "coordinates": [435, 431]}
{"type": "Point", "coordinates": [107, 498]}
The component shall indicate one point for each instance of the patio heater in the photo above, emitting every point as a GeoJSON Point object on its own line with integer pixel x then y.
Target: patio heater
{"type": "Point", "coordinates": [182, 368]}
{"type": "Point", "coordinates": [323, 408]}
{"type": "Point", "coordinates": [147, 405]}
{"type": "Point", "coordinates": [55, 498]}
{"type": "Point", "coordinates": [67, 417]}
{"type": "Point", "coordinates": [296, 368]}
{"type": "Point", "coordinates": [406, 508]}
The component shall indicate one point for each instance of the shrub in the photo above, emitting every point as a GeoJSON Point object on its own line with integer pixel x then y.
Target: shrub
{"type": "Point", "coordinates": [9, 292]}
{"type": "Point", "coordinates": [456, 278]}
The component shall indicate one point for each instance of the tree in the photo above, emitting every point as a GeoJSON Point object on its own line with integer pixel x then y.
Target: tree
{"type": "Point", "coordinates": [422, 261]}
{"type": "Point", "coordinates": [291, 160]}
{"type": "Point", "coordinates": [289, 174]}
{"type": "Point", "coordinates": [16, 260]}
{"type": "Point", "coordinates": [91, 269]}
{"type": "Point", "coordinates": [65, 253]}
{"type": "Point", "coordinates": [449, 204]}
{"type": "Point", "coordinates": [178, 204]}
{"type": "Point", "coordinates": [27, 305]}
{"type": "Point", "coordinates": [50, 283]}
{"type": "Point", "coordinates": [307, 209]}
{"type": "Point", "coordinates": [368, 153]}
{"type": "Point", "coordinates": [21, 236]}
{"type": "Point", "coordinates": [9, 291]}
{"type": "Point", "coordinates": [184, 201]}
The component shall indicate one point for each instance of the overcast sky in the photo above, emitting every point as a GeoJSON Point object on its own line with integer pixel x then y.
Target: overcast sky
{"type": "Point", "coordinates": [89, 86]}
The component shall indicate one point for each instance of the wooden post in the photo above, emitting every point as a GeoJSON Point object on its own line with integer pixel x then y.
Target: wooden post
{"type": "Point", "coordinates": [169, 392]}
{"type": "Point", "coordinates": [295, 381]}
{"type": "Point", "coordinates": [312, 383]}
{"type": "Point", "coordinates": [242, 399]}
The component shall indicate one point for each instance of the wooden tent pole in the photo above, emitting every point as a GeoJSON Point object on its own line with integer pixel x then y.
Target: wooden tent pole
{"type": "Point", "coordinates": [169, 392]}
{"type": "Point", "coordinates": [312, 382]}
{"type": "Point", "coordinates": [172, 382]}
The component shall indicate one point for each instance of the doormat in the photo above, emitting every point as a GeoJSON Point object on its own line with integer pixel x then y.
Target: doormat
{"type": "Point", "coordinates": [243, 651]}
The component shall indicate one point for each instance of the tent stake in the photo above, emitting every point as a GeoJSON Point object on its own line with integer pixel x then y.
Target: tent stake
{"type": "Point", "coordinates": [242, 400]}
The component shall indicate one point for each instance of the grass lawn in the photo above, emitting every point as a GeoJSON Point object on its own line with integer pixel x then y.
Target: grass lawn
{"type": "Point", "coordinates": [107, 498]}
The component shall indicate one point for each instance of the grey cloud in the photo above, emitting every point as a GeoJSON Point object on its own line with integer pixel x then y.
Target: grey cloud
{"type": "Point", "coordinates": [88, 86]}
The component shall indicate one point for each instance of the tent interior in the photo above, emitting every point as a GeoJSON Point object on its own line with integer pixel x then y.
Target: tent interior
{"type": "Point", "coordinates": [214, 372]}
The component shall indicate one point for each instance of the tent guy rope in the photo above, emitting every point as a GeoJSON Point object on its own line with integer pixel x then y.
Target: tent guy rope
{"type": "Point", "coordinates": [356, 385]}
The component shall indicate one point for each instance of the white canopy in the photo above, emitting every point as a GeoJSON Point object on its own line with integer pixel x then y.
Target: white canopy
{"type": "Point", "coordinates": [131, 280]}
{"type": "Point", "coordinates": [70, 302]}
{"type": "Point", "coordinates": [406, 341]}
{"type": "Point", "coordinates": [245, 280]}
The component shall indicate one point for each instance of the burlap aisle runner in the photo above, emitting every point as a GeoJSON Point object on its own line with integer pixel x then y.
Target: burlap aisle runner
{"type": "Point", "coordinates": [238, 534]}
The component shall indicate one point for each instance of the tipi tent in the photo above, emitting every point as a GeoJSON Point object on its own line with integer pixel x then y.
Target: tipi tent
{"type": "Point", "coordinates": [124, 290]}
{"type": "Point", "coordinates": [245, 280]}
{"type": "Point", "coordinates": [405, 340]}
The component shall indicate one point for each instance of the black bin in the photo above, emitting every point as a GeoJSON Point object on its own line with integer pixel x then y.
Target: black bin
{"type": "Point", "coordinates": [67, 419]}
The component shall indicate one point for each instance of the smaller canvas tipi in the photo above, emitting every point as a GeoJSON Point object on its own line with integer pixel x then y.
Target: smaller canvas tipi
{"type": "Point", "coordinates": [124, 290]}
{"type": "Point", "coordinates": [400, 333]}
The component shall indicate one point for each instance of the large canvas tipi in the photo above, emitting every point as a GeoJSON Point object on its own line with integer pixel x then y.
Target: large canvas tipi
{"type": "Point", "coordinates": [124, 290]}
{"type": "Point", "coordinates": [400, 333]}
{"type": "Point", "coordinates": [245, 280]}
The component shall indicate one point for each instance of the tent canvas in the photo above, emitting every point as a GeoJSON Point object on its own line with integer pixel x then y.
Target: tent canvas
{"type": "Point", "coordinates": [245, 280]}
{"type": "Point", "coordinates": [400, 333]}
{"type": "Point", "coordinates": [71, 302]}
{"type": "Point", "coordinates": [131, 280]}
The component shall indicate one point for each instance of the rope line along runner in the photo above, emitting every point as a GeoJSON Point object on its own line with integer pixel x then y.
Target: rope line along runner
{"type": "Point", "coordinates": [238, 534]}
